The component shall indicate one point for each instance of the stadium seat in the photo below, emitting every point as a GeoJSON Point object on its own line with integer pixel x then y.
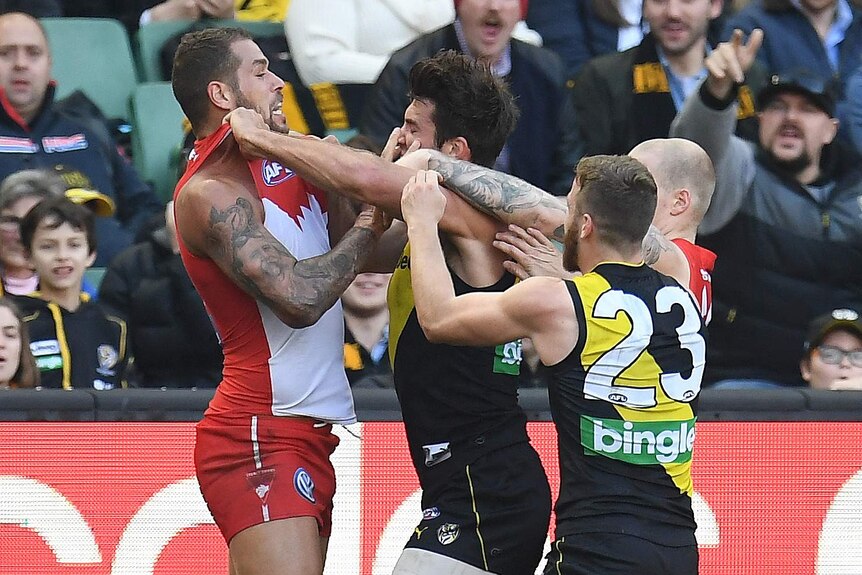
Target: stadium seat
{"type": "Point", "coordinates": [93, 276]}
{"type": "Point", "coordinates": [157, 135]}
{"type": "Point", "coordinates": [93, 55]}
{"type": "Point", "coordinates": [151, 37]}
{"type": "Point", "coordinates": [149, 41]}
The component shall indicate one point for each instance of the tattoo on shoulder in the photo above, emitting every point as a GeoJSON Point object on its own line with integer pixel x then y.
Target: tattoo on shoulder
{"type": "Point", "coordinates": [492, 192]}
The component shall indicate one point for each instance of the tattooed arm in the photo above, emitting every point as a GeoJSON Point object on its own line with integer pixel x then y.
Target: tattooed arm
{"type": "Point", "coordinates": [343, 170]}
{"type": "Point", "coordinates": [505, 197]}
{"type": "Point", "coordinates": [221, 220]}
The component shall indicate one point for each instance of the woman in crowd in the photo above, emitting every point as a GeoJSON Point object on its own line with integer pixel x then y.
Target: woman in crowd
{"type": "Point", "coordinates": [18, 193]}
{"type": "Point", "coordinates": [17, 366]}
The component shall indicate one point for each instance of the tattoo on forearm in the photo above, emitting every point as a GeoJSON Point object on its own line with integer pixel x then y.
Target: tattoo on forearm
{"type": "Point", "coordinates": [314, 284]}
{"type": "Point", "coordinates": [654, 245]}
{"type": "Point", "coordinates": [322, 279]}
{"type": "Point", "coordinates": [494, 193]}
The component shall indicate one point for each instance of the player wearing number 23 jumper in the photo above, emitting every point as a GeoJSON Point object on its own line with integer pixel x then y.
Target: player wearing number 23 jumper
{"type": "Point", "coordinates": [625, 346]}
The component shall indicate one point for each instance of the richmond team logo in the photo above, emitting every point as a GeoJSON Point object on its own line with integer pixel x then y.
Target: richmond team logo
{"type": "Point", "coordinates": [448, 533]}
{"type": "Point", "coordinates": [274, 173]}
{"type": "Point", "coordinates": [108, 356]}
{"type": "Point", "coordinates": [303, 484]}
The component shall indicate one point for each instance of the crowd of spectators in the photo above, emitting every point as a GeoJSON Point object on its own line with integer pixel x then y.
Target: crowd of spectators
{"type": "Point", "coordinates": [779, 114]}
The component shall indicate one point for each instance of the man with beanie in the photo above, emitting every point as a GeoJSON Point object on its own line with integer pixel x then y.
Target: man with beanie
{"type": "Point", "coordinates": [545, 145]}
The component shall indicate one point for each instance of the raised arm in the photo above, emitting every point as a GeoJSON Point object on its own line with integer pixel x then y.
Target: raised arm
{"type": "Point", "coordinates": [219, 219]}
{"type": "Point", "coordinates": [340, 169]}
{"type": "Point", "coordinates": [503, 196]}
{"type": "Point", "coordinates": [538, 308]}
{"type": "Point", "coordinates": [708, 118]}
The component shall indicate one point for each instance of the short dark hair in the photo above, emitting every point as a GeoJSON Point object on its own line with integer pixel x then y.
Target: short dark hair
{"type": "Point", "coordinates": [201, 57]}
{"type": "Point", "coordinates": [620, 195]}
{"type": "Point", "coordinates": [469, 101]}
{"type": "Point", "coordinates": [27, 374]}
{"type": "Point", "coordinates": [58, 211]}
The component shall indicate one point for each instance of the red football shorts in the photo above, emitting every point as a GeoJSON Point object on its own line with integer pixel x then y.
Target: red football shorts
{"type": "Point", "coordinates": [257, 469]}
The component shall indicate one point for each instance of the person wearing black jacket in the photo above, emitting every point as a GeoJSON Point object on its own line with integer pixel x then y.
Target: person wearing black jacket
{"type": "Point", "coordinates": [170, 333]}
{"type": "Point", "coordinates": [629, 97]}
{"type": "Point", "coordinates": [75, 343]}
{"type": "Point", "coordinates": [35, 133]}
{"type": "Point", "coordinates": [545, 145]}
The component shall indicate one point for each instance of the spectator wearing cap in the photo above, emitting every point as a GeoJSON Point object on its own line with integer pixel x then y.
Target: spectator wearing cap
{"type": "Point", "coordinates": [833, 352]}
{"type": "Point", "coordinates": [785, 219]}
{"type": "Point", "coordinates": [19, 192]}
{"type": "Point", "coordinates": [36, 133]}
{"type": "Point", "coordinates": [545, 145]}
{"type": "Point", "coordinates": [820, 35]}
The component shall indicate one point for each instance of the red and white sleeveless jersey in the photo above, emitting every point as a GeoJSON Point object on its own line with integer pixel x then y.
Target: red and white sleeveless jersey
{"type": "Point", "coordinates": [701, 262]}
{"type": "Point", "coordinates": [269, 367]}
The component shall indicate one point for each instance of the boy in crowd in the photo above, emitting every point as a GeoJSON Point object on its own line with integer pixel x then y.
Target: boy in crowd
{"type": "Point", "coordinates": [74, 342]}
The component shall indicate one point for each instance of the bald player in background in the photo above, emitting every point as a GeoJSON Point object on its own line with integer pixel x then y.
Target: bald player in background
{"type": "Point", "coordinates": [685, 179]}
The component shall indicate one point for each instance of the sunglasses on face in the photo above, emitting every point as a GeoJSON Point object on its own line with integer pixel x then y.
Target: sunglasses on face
{"type": "Point", "coordinates": [834, 355]}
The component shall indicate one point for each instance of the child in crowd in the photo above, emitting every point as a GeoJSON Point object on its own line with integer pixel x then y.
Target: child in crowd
{"type": "Point", "coordinates": [17, 366]}
{"type": "Point", "coordinates": [74, 342]}
{"type": "Point", "coordinates": [19, 192]}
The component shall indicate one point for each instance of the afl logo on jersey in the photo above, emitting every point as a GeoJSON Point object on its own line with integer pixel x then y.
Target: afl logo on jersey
{"type": "Point", "coordinates": [274, 173]}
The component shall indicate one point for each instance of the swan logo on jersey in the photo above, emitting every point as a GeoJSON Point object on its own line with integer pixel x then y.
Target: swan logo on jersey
{"type": "Point", "coordinates": [303, 484]}
{"type": "Point", "coordinates": [274, 173]}
{"type": "Point", "coordinates": [448, 533]}
{"type": "Point", "coordinates": [261, 481]}
{"type": "Point", "coordinates": [638, 442]}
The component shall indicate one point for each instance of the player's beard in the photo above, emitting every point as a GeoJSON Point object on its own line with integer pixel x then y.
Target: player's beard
{"type": "Point", "coordinates": [242, 102]}
{"type": "Point", "coordinates": [570, 249]}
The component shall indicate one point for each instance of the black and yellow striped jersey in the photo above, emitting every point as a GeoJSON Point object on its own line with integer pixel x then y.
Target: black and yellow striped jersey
{"type": "Point", "coordinates": [457, 402]}
{"type": "Point", "coordinates": [84, 349]}
{"type": "Point", "coordinates": [625, 402]}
